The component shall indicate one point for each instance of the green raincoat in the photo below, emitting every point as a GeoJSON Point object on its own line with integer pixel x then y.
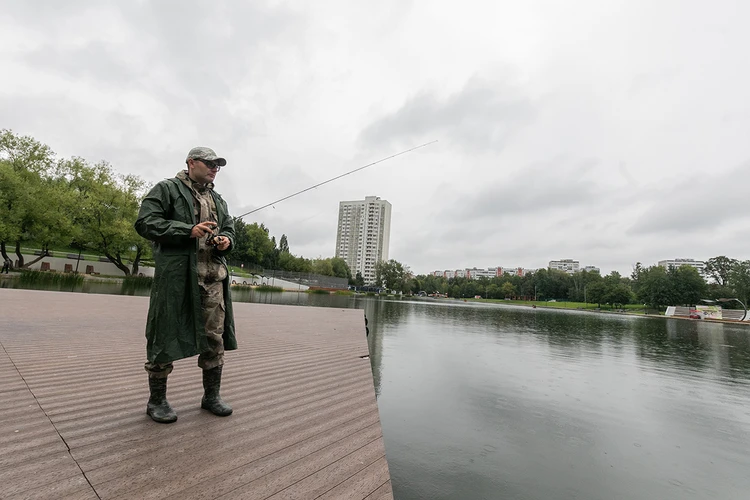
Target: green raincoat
{"type": "Point", "coordinates": [174, 329]}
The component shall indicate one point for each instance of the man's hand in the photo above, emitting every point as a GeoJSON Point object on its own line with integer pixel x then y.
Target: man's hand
{"type": "Point", "coordinates": [202, 229]}
{"type": "Point", "coordinates": [222, 243]}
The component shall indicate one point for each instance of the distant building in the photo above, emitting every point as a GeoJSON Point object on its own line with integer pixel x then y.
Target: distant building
{"type": "Point", "coordinates": [592, 269]}
{"type": "Point", "coordinates": [675, 263]}
{"type": "Point", "coordinates": [569, 266]}
{"type": "Point", "coordinates": [514, 271]}
{"type": "Point", "coordinates": [363, 235]}
{"type": "Point", "coordinates": [476, 273]}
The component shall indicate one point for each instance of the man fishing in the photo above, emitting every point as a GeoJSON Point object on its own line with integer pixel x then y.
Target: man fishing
{"type": "Point", "coordinates": [190, 311]}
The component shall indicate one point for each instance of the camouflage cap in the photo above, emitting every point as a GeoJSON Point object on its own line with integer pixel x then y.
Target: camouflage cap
{"type": "Point", "coordinates": [203, 153]}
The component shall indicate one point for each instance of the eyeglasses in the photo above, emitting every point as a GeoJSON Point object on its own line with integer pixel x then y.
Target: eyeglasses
{"type": "Point", "coordinates": [211, 164]}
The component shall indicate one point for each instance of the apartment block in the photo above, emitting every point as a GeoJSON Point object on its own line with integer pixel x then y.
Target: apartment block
{"type": "Point", "coordinates": [363, 235]}
{"type": "Point", "coordinates": [569, 266]}
{"type": "Point", "coordinates": [698, 264]}
{"type": "Point", "coordinates": [475, 273]}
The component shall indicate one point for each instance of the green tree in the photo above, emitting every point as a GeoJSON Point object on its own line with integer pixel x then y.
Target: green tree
{"type": "Point", "coordinates": [289, 262]}
{"type": "Point", "coordinates": [688, 285]}
{"type": "Point", "coordinates": [619, 294]}
{"type": "Point", "coordinates": [507, 289]}
{"type": "Point", "coordinates": [359, 280]}
{"type": "Point", "coordinates": [740, 279]}
{"type": "Point", "coordinates": [340, 268]}
{"type": "Point", "coordinates": [655, 287]}
{"type": "Point", "coordinates": [256, 248]}
{"type": "Point", "coordinates": [322, 267]}
{"type": "Point", "coordinates": [720, 269]}
{"type": "Point", "coordinates": [596, 293]}
{"type": "Point", "coordinates": [551, 283]}
{"type": "Point", "coordinates": [283, 244]}
{"type": "Point", "coordinates": [241, 245]}
{"type": "Point", "coordinates": [392, 275]}
{"type": "Point", "coordinates": [106, 206]}
{"type": "Point", "coordinates": [34, 205]}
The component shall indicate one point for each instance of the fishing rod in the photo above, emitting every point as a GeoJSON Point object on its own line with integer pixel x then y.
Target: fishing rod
{"type": "Point", "coordinates": [337, 177]}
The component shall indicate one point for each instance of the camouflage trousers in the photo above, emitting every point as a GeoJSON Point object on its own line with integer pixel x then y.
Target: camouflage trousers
{"type": "Point", "coordinates": [212, 305]}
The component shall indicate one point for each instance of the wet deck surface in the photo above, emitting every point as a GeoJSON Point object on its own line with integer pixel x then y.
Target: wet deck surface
{"type": "Point", "coordinates": [74, 392]}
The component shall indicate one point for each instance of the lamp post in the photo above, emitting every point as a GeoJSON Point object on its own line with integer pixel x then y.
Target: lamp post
{"type": "Point", "coordinates": [724, 300]}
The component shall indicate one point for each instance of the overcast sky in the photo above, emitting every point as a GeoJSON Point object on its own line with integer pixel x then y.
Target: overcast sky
{"type": "Point", "coordinates": [609, 132]}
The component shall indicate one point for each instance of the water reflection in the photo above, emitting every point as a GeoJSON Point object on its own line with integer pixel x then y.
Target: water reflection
{"type": "Point", "coordinates": [503, 402]}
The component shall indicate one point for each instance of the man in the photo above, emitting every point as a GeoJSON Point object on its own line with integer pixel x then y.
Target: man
{"type": "Point", "coordinates": [7, 264]}
{"type": "Point", "coordinates": [190, 312]}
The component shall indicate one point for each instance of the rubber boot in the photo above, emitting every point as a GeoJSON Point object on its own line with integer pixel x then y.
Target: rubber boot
{"type": "Point", "coordinates": [211, 399]}
{"type": "Point", "coordinates": [158, 407]}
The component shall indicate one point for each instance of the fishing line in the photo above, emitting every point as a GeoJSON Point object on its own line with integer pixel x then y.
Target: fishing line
{"type": "Point", "coordinates": [337, 177]}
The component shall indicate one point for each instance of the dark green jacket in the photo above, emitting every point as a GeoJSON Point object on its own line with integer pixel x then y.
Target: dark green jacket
{"type": "Point", "coordinates": [175, 321]}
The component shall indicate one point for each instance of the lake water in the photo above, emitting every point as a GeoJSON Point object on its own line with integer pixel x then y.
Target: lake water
{"type": "Point", "coordinates": [499, 402]}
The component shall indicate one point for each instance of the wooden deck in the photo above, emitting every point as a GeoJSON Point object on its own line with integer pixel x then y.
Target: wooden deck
{"type": "Point", "coordinates": [73, 421]}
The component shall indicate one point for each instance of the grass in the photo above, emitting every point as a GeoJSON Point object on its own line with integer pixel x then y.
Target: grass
{"type": "Point", "coordinates": [138, 281]}
{"type": "Point", "coordinates": [630, 308]}
{"type": "Point", "coordinates": [268, 288]}
{"type": "Point", "coordinates": [29, 277]}
{"type": "Point", "coordinates": [319, 292]}
{"type": "Point", "coordinates": [238, 271]}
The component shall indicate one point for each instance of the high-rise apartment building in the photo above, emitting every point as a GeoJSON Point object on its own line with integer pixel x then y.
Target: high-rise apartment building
{"type": "Point", "coordinates": [364, 234]}
{"type": "Point", "coordinates": [569, 266]}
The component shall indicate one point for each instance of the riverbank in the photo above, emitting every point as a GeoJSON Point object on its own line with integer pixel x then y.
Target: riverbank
{"type": "Point", "coordinates": [629, 310]}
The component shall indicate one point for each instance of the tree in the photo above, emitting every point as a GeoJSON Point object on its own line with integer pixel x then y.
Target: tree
{"type": "Point", "coordinates": [26, 154]}
{"type": "Point", "coordinates": [241, 240]}
{"type": "Point", "coordinates": [359, 280]}
{"type": "Point", "coordinates": [688, 285]}
{"type": "Point", "coordinates": [720, 268]}
{"type": "Point", "coordinates": [283, 244]}
{"type": "Point", "coordinates": [255, 246]}
{"type": "Point", "coordinates": [619, 294]}
{"type": "Point", "coordinates": [655, 287]}
{"type": "Point", "coordinates": [507, 289]}
{"type": "Point", "coordinates": [289, 262]}
{"type": "Point", "coordinates": [32, 204]}
{"type": "Point", "coordinates": [551, 283]}
{"type": "Point", "coordinates": [105, 207]}
{"type": "Point", "coordinates": [392, 275]}
{"type": "Point", "coordinates": [322, 267]}
{"type": "Point", "coordinates": [740, 279]}
{"type": "Point", "coordinates": [340, 268]}
{"type": "Point", "coordinates": [597, 292]}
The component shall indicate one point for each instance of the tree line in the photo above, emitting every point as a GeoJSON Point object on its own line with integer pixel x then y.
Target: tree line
{"type": "Point", "coordinates": [49, 203]}
{"type": "Point", "coordinates": [257, 249]}
{"type": "Point", "coordinates": [653, 286]}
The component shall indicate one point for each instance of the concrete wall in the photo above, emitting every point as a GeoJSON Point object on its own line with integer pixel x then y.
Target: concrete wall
{"type": "Point", "coordinates": [58, 264]}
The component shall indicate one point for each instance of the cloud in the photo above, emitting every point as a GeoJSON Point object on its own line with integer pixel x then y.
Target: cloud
{"type": "Point", "coordinates": [549, 187]}
{"type": "Point", "coordinates": [482, 117]}
{"type": "Point", "coordinates": [610, 152]}
{"type": "Point", "coordinates": [697, 205]}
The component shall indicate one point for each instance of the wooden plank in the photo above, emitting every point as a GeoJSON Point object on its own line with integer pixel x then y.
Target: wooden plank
{"type": "Point", "coordinates": [74, 488]}
{"type": "Point", "coordinates": [385, 491]}
{"type": "Point", "coordinates": [305, 419]}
